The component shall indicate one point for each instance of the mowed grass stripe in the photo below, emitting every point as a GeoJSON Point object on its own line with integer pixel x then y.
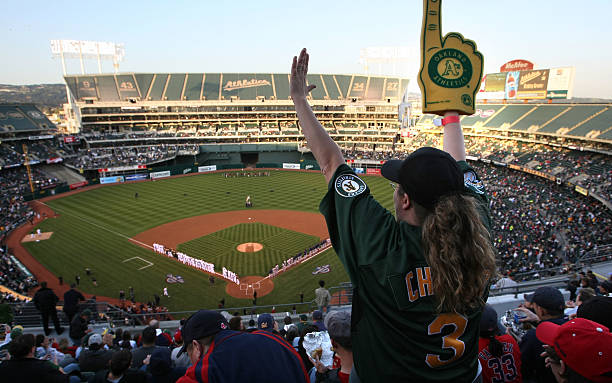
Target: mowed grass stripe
{"type": "Point", "coordinates": [76, 244]}
{"type": "Point", "coordinates": [279, 245]}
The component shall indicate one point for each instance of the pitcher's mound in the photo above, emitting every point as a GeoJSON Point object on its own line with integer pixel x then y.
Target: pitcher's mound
{"type": "Point", "coordinates": [249, 247]}
{"type": "Point", "coordinates": [37, 237]}
{"type": "Point", "coordinates": [248, 285]}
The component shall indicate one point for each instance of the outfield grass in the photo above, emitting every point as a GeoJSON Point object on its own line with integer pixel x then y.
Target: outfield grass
{"type": "Point", "coordinates": [94, 226]}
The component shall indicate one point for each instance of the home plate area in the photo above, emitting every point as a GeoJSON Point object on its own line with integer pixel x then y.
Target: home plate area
{"type": "Point", "coordinates": [248, 285]}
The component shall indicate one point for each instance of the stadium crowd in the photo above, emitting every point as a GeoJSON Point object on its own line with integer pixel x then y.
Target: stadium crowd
{"type": "Point", "coordinates": [122, 156]}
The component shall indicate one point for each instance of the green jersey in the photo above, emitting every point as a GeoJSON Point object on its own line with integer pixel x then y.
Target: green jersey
{"type": "Point", "coordinates": [397, 335]}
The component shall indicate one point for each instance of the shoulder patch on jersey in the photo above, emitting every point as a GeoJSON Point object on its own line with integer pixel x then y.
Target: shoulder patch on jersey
{"type": "Point", "coordinates": [349, 185]}
{"type": "Point", "coordinates": [472, 182]}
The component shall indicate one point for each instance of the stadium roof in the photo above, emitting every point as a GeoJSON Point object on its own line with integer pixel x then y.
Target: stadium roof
{"type": "Point", "coordinates": [21, 118]}
{"type": "Point", "coordinates": [227, 86]}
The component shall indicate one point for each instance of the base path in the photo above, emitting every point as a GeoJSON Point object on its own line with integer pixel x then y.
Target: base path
{"type": "Point", "coordinates": [184, 230]}
{"type": "Point", "coordinates": [248, 285]}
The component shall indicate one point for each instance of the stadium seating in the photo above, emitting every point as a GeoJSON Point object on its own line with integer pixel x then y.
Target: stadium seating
{"type": "Point", "coordinates": [193, 88]}
{"type": "Point", "coordinates": [483, 112]}
{"type": "Point", "coordinates": [507, 116]}
{"type": "Point", "coordinates": [174, 90]}
{"type": "Point", "coordinates": [144, 81]}
{"type": "Point", "coordinates": [158, 86]}
{"type": "Point", "coordinates": [569, 119]}
{"type": "Point", "coordinates": [592, 127]}
{"type": "Point", "coordinates": [538, 117]}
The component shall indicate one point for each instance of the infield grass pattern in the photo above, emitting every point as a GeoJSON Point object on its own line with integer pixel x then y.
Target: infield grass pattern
{"type": "Point", "coordinates": [220, 247]}
{"type": "Point", "coordinates": [94, 226]}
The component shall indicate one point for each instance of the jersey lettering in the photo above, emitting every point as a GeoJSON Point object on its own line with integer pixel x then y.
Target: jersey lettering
{"type": "Point", "coordinates": [412, 296]}
{"type": "Point", "coordinates": [423, 278]}
{"type": "Point", "coordinates": [450, 341]}
{"type": "Point", "coordinates": [424, 282]}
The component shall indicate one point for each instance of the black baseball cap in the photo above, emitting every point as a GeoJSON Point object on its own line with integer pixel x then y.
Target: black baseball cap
{"type": "Point", "coordinates": [202, 324]}
{"type": "Point", "coordinates": [598, 309]}
{"type": "Point", "coordinates": [489, 323]}
{"type": "Point", "coordinates": [547, 297]}
{"type": "Point", "coordinates": [426, 175]}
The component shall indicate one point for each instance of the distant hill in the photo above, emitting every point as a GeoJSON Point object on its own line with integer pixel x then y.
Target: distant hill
{"type": "Point", "coordinates": [43, 95]}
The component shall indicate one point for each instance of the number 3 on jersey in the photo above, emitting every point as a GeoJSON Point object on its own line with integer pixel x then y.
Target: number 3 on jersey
{"type": "Point", "coordinates": [450, 341]}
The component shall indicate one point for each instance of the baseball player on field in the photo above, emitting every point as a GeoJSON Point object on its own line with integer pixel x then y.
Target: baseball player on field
{"type": "Point", "coordinates": [420, 278]}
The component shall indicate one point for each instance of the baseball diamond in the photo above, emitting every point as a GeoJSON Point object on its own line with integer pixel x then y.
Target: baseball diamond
{"type": "Point", "coordinates": [102, 227]}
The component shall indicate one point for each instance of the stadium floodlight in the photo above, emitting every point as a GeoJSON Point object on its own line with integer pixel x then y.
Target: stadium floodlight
{"type": "Point", "coordinates": [80, 49]}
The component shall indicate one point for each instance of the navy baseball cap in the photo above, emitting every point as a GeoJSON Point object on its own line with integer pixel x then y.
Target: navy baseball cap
{"type": "Point", "coordinates": [265, 322]}
{"type": "Point", "coordinates": [317, 315]}
{"type": "Point", "coordinates": [547, 297]}
{"type": "Point", "coordinates": [426, 175]}
{"type": "Point", "coordinates": [489, 322]}
{"type": "Point", "coordinates": [202, 324]}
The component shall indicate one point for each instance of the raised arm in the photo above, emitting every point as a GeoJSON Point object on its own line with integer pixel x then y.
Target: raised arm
{"type": "Point", "coordinates": [324, 149]}
{"type": "Point", "coordinates": [454, 143]}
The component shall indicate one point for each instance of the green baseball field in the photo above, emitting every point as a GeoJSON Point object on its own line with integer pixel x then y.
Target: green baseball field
{"type": "Point", "coordinates": [94, 227]}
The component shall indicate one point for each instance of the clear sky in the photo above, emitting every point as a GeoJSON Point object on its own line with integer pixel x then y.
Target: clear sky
{"type": "Point", "coordinates": [262, 36]}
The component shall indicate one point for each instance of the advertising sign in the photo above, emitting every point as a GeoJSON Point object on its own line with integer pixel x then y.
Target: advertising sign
{"type": "Point", "coordinates": [372, 171]}
{"type": "Point", "coordinates": [163, 174]}
{"type": "Point", "coordinates": [516, 65]}
{"type": "Point", "coordinates": [122, 168]}
{"type": "Point", "coordinates": [495, 84]}
{"type": "Point", "coordinates": [533, 84]}
{"type": "Point", "coordinates": [291, 166]}
{"type": "Point", "coordinates": [210, 168]}
{"type": "Point", "coordinates": [359, 170]}
{"type": "Point", "coordinates": [77, 185]}
{"type": "Point", "coordinates": [70, 139]}
{"type": "Point", "coordinates": [111, 180]}
{"type": "Point", "coordinates": [136, 177]}
{"type": "Point", "coordinates": [560, 82]}
{"type": "Point", "coordinates": [511, 87]}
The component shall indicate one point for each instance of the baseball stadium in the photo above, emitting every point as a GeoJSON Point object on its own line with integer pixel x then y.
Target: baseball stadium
{"type": "Point", "coordinates": [165, 193]}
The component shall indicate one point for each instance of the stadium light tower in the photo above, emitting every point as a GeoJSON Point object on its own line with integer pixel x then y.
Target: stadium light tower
{"type": "Point", "coordinates": [79, 49]}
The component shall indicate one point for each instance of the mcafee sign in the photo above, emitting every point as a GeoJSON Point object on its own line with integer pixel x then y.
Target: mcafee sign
{"type": "Point", "coordinates": [515, 65]}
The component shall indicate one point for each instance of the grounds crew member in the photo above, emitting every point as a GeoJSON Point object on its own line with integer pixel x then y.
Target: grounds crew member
{"type": "Point", "coordinates": [420, 279]}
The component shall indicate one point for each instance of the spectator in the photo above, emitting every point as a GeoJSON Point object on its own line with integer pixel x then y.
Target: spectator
{"type": "Point", "coordinates": [338, 324]}
{"type": "Point", "coordinates": [407, 269]}
{"type": "Point", "coordinates": [235, 323]}
{"type": "Point", "coordinates": [322, 297]}
{"type": "Point", "coordinates": [548, 305]}
{"type": "Point", "coordinates": [23, 367]}
{"type": "Point", "coordinates": [498, 352]}
{"type": "Point", "coordinates": [583, 296]}
{"type": "Point", "coordinates": [79, 327]}
{"type": "Point", "coordinates": [266, 322]}
{"type": "Point", "coordinates": [183, 359]}
{"type": "Point", "coordinates": [94, 358]}
{"type": "Point", "coordinates": [148, 346]}
{"type": "Point", "coordinates": [236, 356]}
{"type": "Point", "coordinates": [71, 302]}
{"type": "Point", "coordinates": [45, 301]}
{"type": "Point", "coordinates": [597, 309]}
{"type": "Point", "coordinates": [288, 323]}
{"type": "Point", "coordinates": [161, 369]}
{"type": "Point", "coordinates": [317, 320]}
{"type": "Point", "coordinates": [578, 351]}
{"type": "Point", "coordinates": [251, 326]}
{"type": "Point", "coordinates": [120, 370]}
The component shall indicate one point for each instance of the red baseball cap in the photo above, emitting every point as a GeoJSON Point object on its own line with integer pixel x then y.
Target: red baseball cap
{"type": "Point", "coordinates": [585, 346]}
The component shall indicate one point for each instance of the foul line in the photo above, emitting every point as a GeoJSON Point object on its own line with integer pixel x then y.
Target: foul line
{"type": "Point", "coordinates": [100, 226]}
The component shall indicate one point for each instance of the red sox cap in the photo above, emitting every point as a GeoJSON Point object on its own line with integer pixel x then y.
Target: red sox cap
{"type": "Point", "coordinates": [426, 175]}
{"type": "Point", "coordinates": [202, 324]}
{"type": "Point", "coordinates": [585, 346]}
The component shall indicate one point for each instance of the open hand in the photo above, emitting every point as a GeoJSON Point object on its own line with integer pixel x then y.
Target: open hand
{"type": "Point", "coordinates": [299, 70]}
{"type": "Point", "coordinates": [451, 67]}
